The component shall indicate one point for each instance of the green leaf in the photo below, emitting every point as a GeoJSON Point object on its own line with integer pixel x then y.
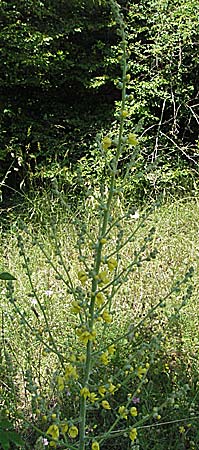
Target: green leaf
{"type": "Point", "coordinates": [5, 424]}
{"type": "Point", "coordinates": [14, 437]}
{"type": "Point", "coordinates": [4, 440]}
{"type": "Point", "coordinates": [6, 276]}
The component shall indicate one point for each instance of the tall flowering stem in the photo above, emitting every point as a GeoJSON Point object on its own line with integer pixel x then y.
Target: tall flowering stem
{"type": "Point", "coordinates": [103, 225]}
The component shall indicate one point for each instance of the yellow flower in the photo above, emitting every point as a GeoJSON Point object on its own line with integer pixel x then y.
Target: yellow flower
{"type": "Point", "coordinates": [44, 418]}
{"type": "Point", "coordinates": [103, 277]}
{"type": "Point", "coordinates": [53, 431]}
{"type": "Point", "coordinates": [93, 397]}
{"type": "Point", "coordinates": [95, 446]}
{"type": "Point", "coordinates": [124, 114]}
{"type": "Point", "coordinates": [106, 317]}
{"type": "Point", "coordinates": [123, 412]}
{"type": "Point", "coordinates": [102, 390]}
{"type": "Point", "coordinates": [133, 411]}
{"type": "Point", "coordinates": [85, 392]}
{"type": "Point", "coordinates": [60, 383]}
{"type": "Point", "coordinates": [141, 371]}
{"type": "Point", "coordinates": [132, 139]}
{"type": "Point", "coordinates": [99, 299]}
{"type": "Point", "coordinates": [75, 308]}
{"type": "Point", "coordinates": [64, 428]}
{"type": "Point", "coordinates": [133, 434]}
{"type": "Point", "coordinates": [85, 335]}
{"type": "Point", "coordinates": [105, 404]}
{"type": "Point", "coordinates": [104, 358]}
{"type": "Point", "coordinates": [182, 430]}
{"type": "Point", "coordinates": [111, 349]}
{"type": "Point", "coordinates": [112, 388]}
{"type": "Point", "coordinates": [82, 277]}
{"type": "Point", "coordinates": [73, 431]}
{"type": "Point", "coordinates": [106, 143]}
{"type": "Point", "coordinates": [70, 372]}
{"type": "Point", "coordinates": [103, 241]}
{"type": "Point", "coordinates": [112, 264]}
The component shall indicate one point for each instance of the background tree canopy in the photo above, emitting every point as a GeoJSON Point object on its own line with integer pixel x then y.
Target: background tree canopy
{"type": "Point", "coordinates": [59, 84]}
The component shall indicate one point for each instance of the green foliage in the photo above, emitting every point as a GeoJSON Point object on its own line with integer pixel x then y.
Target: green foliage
{"type": "Point", "coordinates": [60, 66]}
{"type": "Point", "coordinates": [8, 436]}
{"type": "Point", "coordinates": [6, 276]}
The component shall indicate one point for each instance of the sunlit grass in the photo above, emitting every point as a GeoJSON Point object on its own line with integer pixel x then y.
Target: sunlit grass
{"type": "Point", "coordinates": [176, 239]}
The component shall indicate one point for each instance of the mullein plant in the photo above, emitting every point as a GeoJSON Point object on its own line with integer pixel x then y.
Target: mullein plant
{"type": "Point", "coordinates": [102, 273]}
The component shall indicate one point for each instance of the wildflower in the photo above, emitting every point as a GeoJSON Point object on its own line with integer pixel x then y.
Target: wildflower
{"type": "Point", "coordinates": [106, 317]}
{"type": "Point", "coordinates": [44, 418]}
{"type": "Point", "coordinates": [85, 335]}
{"type": "Point", "coordinates": [54, 416]}
{"type": "Point", "coordinates": [85, 392]}
{"type": "Point", "coordinates": [53, 431]}
{"type": "Point", "coordinates": [93, 397]}
{"type": "Point", "coordinates": [104, 358]}
{"type": "Point", "coordinates": [33, 301]}
{"type": "Point", "coordinates": [124, 114]}
{"type": "Point", "coordinates": [60, 383]}
{"type": "Point", "coordinates": [75, 308]}
{"type": "Point", "coordinates": [136, 215]}
{"type": "Point", "coordinates": [106, 143]}
{"type": "Point", "coordinates": [103, 277]}
{"type": "Point", "coordinates": [102, 390]}
{"type": "Point", "coordinates": [111, 349]}
{"type": "Point", "coordinates": [45, 441]}
{"type": "Point", "coordinates": [49, 292]}
{"type": "Point", "coordinates": [112, 388]}
{"type": "Point", "coordinates": [132, 139]}
{"type": "Point", "coordinates": [133, 434]}
{"type": "Point", "coordinates": [123, 412]}
{"type": "Point", "coordinates": [133, 411]}
{"type": "Point", "coordinates": [82, 277]}
{"type": "Point", "coordinates": [64, 428]}
{"type": "Point", "coordinates": [73, 432]}
{"type": "Point", "coordinates": [141, 371]}
{"type": "Point", "coordinates": [106, 404]}
{"type": "Point", "coordinates": [70, 372]}
{"type": "Point", "coordinates": [95, 446]}
{"type": "Point", "coordinates": [103, 241]}
{"type": "Point", "coordinates": [112, 264]}
{"type": "Point", "coordinates": [99, 299]}
{"type": "Point", "coordinates": [136, 400]}
{"type": "Point", "coordinates": [182, 430]}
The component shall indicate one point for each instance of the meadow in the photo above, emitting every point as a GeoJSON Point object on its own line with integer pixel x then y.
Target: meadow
{"type": "Point", "coordinates": [164, 340]}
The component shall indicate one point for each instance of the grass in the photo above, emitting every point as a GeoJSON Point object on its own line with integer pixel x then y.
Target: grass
{"type": "Point", "coordinates": [172, 378]}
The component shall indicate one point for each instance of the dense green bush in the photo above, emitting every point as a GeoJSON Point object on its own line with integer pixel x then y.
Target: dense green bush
{"type": "Point", "coordinates": [59, 81]}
